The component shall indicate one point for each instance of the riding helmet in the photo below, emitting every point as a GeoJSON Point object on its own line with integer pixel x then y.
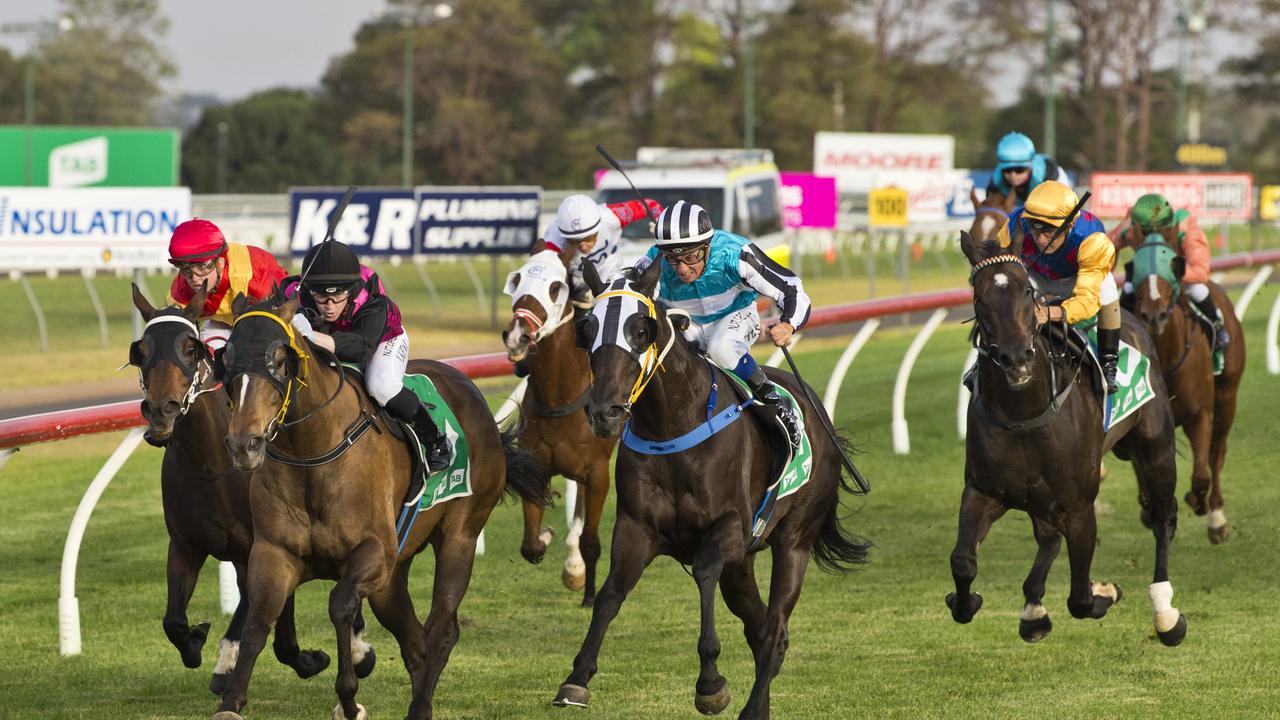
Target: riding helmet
{"type": "Point", "coordinates": [1050, 202]}
{"type": "Point", "coordinates": [1152, 212]}
{"type": "Point", "coordinates": [196, 240]}
{"type": "Point", "coordinates": [683, 225]}
{"type": "Point", "coordinates": [1015, 149]}
{"type": "Point", "coordinates": [578, 217]}
{"type": "Point", "coordinates": [330, 267]}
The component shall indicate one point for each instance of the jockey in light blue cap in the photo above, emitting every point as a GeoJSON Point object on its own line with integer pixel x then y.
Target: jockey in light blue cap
{"type": "Point", "coordinates": [1019, 168]}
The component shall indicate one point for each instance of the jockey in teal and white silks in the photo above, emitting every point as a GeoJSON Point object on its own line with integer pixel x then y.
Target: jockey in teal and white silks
{"type": "Point", "coordinates": [716, 276]}
{"type": "Point", "coordinates": [1019, 168]}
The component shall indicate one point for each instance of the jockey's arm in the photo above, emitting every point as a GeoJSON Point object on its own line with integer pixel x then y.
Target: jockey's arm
{"type": "Point", "coordinates": [368, 325]}
{"type": "Point", "coordinates": [1195, 248]}
{"type": "Point", "coordinates": [632, 210]}
{"type": "Point", "coordinates": [1095, 257]}
{"type": "Point", "coordinates": [770, 279]}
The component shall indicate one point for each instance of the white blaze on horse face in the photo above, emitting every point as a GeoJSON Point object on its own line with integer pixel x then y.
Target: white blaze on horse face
{"type": "Point", "coordinates": [986, 225]}
{"type": "Point", "coordinates": [1152, 288]}
{"type": "Point", "coordinates": [1001, 280]}
{"type": "Point", "coordinates": [244, 388]}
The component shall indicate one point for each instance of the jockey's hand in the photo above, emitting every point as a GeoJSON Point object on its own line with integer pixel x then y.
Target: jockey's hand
{"type": "Point", "coordinates": [1048, 313]}
{"type": "Point", "coordinates": [302, 324]}
{"type": "Point", "coordinates": [780, 333]}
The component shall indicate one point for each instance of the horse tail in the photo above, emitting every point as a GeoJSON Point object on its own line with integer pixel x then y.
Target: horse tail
{"type": "Point", "coordinates": [837, 550]}
{"type": "Point", "coordinates": [526, 478]}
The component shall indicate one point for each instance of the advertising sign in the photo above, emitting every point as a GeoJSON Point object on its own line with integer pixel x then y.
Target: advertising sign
{"type": "Point", "coordinates": [920, 164]}
{"type": "Point", "coordinates": [44, 229]}
{"type": "Point", "coordinates": [1210, 196]}
{"type": "Point", "coordinates": [887, 207]}
{"type": "Point", "coordinates": [1269, 203]}
{"type": "Point", "coordinates": [89, 157]}
{"type": "Point", "coordinates": [1201, 155]}
{"type": "Point", "coordinates": [424, 220]}
{"type": "Point", "coordinates": [960, 205]}
{"type": "Point", "coordinates": [808, 200]}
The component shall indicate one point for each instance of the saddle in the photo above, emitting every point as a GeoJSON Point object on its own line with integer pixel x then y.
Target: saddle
{"type": "Point", "coordinates": [402, 432]}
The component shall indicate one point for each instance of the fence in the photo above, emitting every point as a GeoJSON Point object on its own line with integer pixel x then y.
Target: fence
{"type": "Point", "coordinates": [124, 415]}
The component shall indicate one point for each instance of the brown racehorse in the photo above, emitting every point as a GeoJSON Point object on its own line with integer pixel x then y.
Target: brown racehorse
{"type": "Point", "coordinates": [206, 500]}
{"type": "Point", "coordinates": [990, 213]}
{"type": "Point", "coordinates": [1204, 405]}
{"type": "Point", "coordinates": [556, 429]}
{"type": "Point", "coordinates": [327, 502]}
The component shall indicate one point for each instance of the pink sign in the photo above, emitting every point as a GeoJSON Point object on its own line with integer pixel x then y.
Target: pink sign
{"type": "Point", "coordinates": [1211, 196]}
{"type": "Point", "coordinates": [808, 200]}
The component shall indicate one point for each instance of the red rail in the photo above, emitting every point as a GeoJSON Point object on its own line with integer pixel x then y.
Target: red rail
{"type": "Point", "coordinates": [31, 429]}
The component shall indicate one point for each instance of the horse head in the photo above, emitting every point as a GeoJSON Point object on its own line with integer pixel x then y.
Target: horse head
{"type": "Point", "coordinates": [1004, 307]}
{"type": "Point", "coordinates": [1156, 276]}
{"type": "Point", "coordinates": [622, 335]}
{"type": "Point", "coordinates": [539, 293]}
{"type": "Point", "coordinates": [172, 362]}
{"type": "Point", "coordinates": [990, 213]}
{"type": "Point", "coordinates": [263, 366]}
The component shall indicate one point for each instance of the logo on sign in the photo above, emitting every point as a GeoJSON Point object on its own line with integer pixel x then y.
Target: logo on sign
{"type": "Point", "coordinates": [79, 163]}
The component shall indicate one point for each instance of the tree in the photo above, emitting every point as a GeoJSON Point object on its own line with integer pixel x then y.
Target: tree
{"type": "Point", "coordinates": [10, 88]}
{"type": "Point", "coordinates": [107, 69]}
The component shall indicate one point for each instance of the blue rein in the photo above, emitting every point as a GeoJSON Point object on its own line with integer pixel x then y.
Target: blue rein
{"type": "Point", "coordinates": [714, 424]}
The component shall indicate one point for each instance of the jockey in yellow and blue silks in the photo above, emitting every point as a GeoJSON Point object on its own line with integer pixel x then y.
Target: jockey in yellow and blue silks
{"type": "Point", "coordinates": [1020, 169]}
{"type": "Point", "coordinates": [716, 276]}
{"type": "Point", "coordinates": [1073, 266]}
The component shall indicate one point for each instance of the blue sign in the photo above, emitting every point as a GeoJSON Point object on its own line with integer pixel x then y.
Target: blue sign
{"type": "Point", "coordinates": [421, 221]}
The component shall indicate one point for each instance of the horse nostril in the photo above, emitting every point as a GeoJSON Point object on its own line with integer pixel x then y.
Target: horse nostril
{"type": "Point", "coordinates": [1164, 315]}
{"type": "Point", "coordinates": [613, 412]}
{"type": "Point", "coordinates": [171, 409]}
{"type": "Point", "coordinates": [255, 443]}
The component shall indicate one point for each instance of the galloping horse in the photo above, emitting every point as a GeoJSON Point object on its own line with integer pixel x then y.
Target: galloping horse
{"type": "Point", "coordinates": [326, 504]}
{"type": "Point", "coordinates": [696, 505]}
{"type": "Point", "coordinates": [206, 500]}
{"type": "Point", "coordinates": [556, 430]}
{"type": "Point", "coordinates": [1204, 405]}
{"type": "Point", "coordinates": [1034, 444]}
{"type": "Point", "coordinates": [990, 213]}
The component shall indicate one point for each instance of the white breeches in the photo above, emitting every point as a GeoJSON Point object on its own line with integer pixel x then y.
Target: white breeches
{"type": "Point", "coordinates": [1108, 292]}
{"type": "Point", "coordinates": [384, 373]}
{"type": "Point", "coordinates": [729, 338]}
{"type": "Point", "coordinates": [1197, 291]}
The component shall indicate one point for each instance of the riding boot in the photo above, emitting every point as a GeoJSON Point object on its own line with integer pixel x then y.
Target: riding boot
{"type": "Point", "coordinates": [772, 405]}
{"type": "Point", "coordinates": [1210, 310]}
{"type": "Point", "coordinates": [406, 406]}
{"type": "Point", "coordinates": [1109, 354]}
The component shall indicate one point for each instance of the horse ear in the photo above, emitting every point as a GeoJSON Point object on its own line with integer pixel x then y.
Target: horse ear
{"type": "Point", "coordinates": [966, 246]}
{"type": "Point", "coordinates": [287, 309]}
{"type": "Point", "coordinates": [592, 277]}
{"type": "Point", "coordinates": [140, 301]}
{"type": "Point", "coordinates": [973, 197]}
{"type": "Point", "coordinates": [196, 306]}
{"type": "Point", "coordinates": [1010, 201]}
{"type": "Point", "coordinates": [648, 281]}
{"type": "Point", "coordinates": [239, 304]}
{"type": "Point", "coordinates": [1179, 267]}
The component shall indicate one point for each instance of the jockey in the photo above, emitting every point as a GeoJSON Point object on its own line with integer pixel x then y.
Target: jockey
{"type": "Point", "coordinates": [716, 275]}
{"type": "Point", "coordinates": [1073, 265]}
{"type": "Point", "coordinates": [204, 257]}
{"type": "Point", "coordinates": [1152, 213]}
{"type": "Point", "coordinates": [585, 230]}
{"type": "Point", "coordinates": [1020, 168]}
{"type": "Point", "coordinates": [359, 324]}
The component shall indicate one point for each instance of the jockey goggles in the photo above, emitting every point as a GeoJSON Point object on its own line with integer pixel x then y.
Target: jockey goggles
{"type": "Point", "coordinates": [690, 256]}
{"type": "Point", "coordinates": [1040, 227]}
{"type": "Point", "coordinates": [189, 268]}
{"type": "Point", "coordinates": [1017, 169]}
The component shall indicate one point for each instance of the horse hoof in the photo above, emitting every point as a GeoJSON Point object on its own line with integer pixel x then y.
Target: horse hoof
{"type": "Point", "coordinates": [226, 715]}
{"type": "Point", "coordinates": [588, 601]}
{"type": "Point", "coordinates": [1219, 535]}
{"type": "Point", "coordinates": [195, 643]}
{"type": "Point", "coordinates": [532, 553]}
{"type": "Point", "coordinates": [958, 614]}
{"type": "Point", "coordinates": [339, 715]}
{"type": "Point", "coordinates": [1195, 503]}
{"type": "Point", "coordinates": [365, 667]}
{"type": "Point", "coordinates": [313, 662]}
{"type": "Point", "coordinates": [572, 581]}
{"type": "Point", "coordinates": [713, 704]}
{"type": "Point", "coordinates": [218, 683]}
{"type": "Point", "coordinates": [1174, 635]}
{"type": "Point", "coordinates": [1035, 630]}
{"type": "Point", "coordinates": [571, 695]}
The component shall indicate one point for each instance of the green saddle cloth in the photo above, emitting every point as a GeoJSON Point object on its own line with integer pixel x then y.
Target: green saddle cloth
{"type": "Point", "coordinates": [1131, 375]}
{"type": "Point", "coordinates": [798, 469]}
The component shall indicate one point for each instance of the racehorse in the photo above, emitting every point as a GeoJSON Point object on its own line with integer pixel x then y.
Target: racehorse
{"type": "Point", "coordinates": [326, 505]}
{"type": "Point", "coordinates": [696, 505]}
{"type": "Point", "coordinates": [206, 500]}
{"type": "Point", "coordinates": [556, 430]}
{"type": "Point", "coordinates": [1034, 445]}
{"type": "Point", "coordinates": [990, 213]}
{"type": "Point", "coordinates": [1204, 405]}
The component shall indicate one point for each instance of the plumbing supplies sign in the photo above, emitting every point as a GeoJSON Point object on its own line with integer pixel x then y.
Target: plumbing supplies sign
{"type": "Point", "coordinates": [419, 221]}
{"type": "Point", "coordinates": [89, 228]}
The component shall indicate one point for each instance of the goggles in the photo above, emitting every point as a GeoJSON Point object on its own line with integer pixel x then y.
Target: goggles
{"type": "Point", "coordinates": [330, 298]}
{"type": "Point", "coordinates": [690, 257]}
{"type": "Point", "coordinates": [188, 269]}
{"type": "Point", "coordinates": [1040, 227]}
{"type": "Point", "coordinates": [1015, 170]}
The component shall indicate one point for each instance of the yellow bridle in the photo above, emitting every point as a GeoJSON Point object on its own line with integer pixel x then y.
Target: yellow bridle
{"type": "Point", "coordinates": [651, 359]}
{"type": "Point", "coordinates": [293, 343]}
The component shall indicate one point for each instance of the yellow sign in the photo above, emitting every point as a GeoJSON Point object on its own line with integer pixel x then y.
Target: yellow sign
{"type": "Point", "coordinates": [887, 207]}
{"type": "Point", "coordinates": [1201, 155]}
{"type": "Point", "coordinates": [1269, 203]}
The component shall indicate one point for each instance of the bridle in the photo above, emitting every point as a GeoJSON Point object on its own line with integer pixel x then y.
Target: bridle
{"type": "Point", "coordinates": [650, 358]}
{"type": "Point", "coordinates": [198, 374]}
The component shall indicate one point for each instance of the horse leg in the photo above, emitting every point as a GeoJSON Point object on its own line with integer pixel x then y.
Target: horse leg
{"type": "Point", "coordinates": [977, 512]}
{"type": "Point", "coordinates": [273, 575]}
{"type": "Point", "coordinates": [789, 565]}
{"type": "Point", "coordinates": [633, 549]}
{"type": "Point", "coordinates": [1035, 624]}
{"type": "Point", "coordinates": [362, 655]}
{"type": "Point", "coordinates": [597, 491]}
{"type": "Point", "coordinates": [711, 691]}
{"type": "Point", "coordinates": [455, 556]}
{"type": "Point", "coordinates": [364, 571]}
{"type": "Point", "coordinates": [393, 606]}
{"type": "Point", "coordinates": [1087, 599]}
{"type": "Point", "coordinates": [1199, 432]}
{"type": "Point", "coordinates": [1224, 414]}
{"type": "Point", "coordinates": [182, 571]}
{"type": "Point", "coordinates": [536, 536]}
{"type": "Point", "coordinates": [306, 663]}
{"type": "Point", "coordinates": [229, 646]}
{"type": "Point", "coordinates": [742, 597]}
{"type": "Point", "coordinates": [574, 573]}
{"type": "Point", "coordinates": [1157, 471]}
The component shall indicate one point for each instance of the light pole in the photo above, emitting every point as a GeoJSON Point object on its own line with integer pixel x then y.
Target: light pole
{"type": "Point", "coordinates": [410, 12]}
{"type": "Point", "coordinates": [32, 30]}
{"type": "Point", "coordinates": [1050, 94]}
{"type": "Point", "coordinates": [748, 93]}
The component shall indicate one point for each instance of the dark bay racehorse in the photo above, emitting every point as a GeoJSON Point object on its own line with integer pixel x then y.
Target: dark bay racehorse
{"type": "Point", "coordinates": [697, 505]}
{"type": "Point", "coordinates": [206, 500]}
{"type": "Point", "coordinates": [1204, 405]}
{"type": "Point", "coordinates": [327, 502]}
{"type": "Point", "coordinates": [556, 431]}
{"type": "Point", "coordinates": [1034, 441]}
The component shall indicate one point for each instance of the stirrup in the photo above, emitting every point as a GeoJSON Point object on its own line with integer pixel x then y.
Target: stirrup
{"type": "Point", "coordinates": [439, 451]}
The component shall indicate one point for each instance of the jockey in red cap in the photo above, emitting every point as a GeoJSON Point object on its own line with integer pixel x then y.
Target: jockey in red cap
{"type": "Point", "coordinates": [204, 257]}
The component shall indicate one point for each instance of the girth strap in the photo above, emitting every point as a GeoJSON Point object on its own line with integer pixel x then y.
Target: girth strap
{"type": "Point", "coordinates": [557, 411]}
{"type": "Point", "coordinates": [351, 437]}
